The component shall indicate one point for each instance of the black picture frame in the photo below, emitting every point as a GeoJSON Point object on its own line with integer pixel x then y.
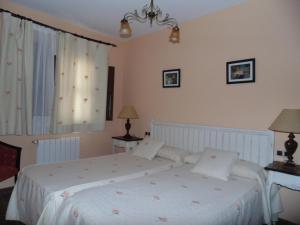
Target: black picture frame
{"type": "Point", "coordinates": [171, 78]}
{"type": "Point", "coordinates": [240, 71]}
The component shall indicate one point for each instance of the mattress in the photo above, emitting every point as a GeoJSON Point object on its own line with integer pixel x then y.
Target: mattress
{"type": "Point", "coordinates": [175, 197]}
{"type": "Point", "coordinates": [40, 189]}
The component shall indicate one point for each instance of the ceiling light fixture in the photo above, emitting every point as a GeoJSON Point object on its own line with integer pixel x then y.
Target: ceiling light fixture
{"type": "Point", "coordinates": [150, 13]}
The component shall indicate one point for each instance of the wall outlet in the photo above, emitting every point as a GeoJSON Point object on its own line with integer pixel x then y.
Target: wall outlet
{"type": "Point", "coordinates": [279, 156]}
{"type": "Point", "coordinates": [279, 152]}
{"type": "Point", "coordinates": [147, 133]}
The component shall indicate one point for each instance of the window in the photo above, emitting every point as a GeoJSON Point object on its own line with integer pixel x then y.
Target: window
{"type": "Point", "coordinates": [70, 83]}
{"type": "Point", "coordinates": [44, 50]}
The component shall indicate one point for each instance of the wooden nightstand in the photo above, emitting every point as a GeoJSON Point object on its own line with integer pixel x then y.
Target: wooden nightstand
{"type": "Point", "coordinates": [282, 175]}
{"type": "Point", "coordinates": [128, 144]}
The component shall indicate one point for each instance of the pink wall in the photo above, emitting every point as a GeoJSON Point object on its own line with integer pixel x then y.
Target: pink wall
{"type": "Point", "coordinates": [94, 143]}
{"type": "Point", "coordinates": [267, 30]}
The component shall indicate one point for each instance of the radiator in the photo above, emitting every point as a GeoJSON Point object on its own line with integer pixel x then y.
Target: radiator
{"type": "Point", "coordinates": [58, 150]}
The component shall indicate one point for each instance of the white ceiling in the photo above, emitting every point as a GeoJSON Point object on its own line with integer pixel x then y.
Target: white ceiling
{"type": "Point", "coordinates": [105, 15]}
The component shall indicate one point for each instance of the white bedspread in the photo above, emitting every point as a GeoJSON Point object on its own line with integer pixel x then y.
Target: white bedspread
{"type": "Point", "coordinates": [40, 189]}
{"type": "Point", "coordinates": [175, 197]}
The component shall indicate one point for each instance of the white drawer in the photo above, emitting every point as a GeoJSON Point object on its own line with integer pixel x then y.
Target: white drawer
{"type": "Point", "coordinates": [128, 145]}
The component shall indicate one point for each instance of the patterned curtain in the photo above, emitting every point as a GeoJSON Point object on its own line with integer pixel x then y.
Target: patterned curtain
{"type": "Point", "coordinates": [16, 75]}
{"type": "Point", "coordinates": [81, 83]}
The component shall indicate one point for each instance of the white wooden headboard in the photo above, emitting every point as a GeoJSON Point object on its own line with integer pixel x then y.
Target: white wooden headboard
{"type": "Point", "coordinates": [252, 145]}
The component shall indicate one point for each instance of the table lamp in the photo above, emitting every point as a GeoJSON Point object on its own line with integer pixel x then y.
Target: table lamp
{"type": "Point", "coordinates": [128, 112]}
{"type": "Point", "coordinates": [288, 121]}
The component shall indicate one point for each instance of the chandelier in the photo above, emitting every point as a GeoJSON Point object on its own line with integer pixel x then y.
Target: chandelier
{"type": "Point", "coordinates": [151, 13]}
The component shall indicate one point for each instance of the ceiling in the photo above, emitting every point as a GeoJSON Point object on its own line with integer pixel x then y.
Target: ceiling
{"type": "Point", "coordinates": [105, 15]}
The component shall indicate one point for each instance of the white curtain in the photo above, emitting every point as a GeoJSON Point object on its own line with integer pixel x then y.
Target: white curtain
{"type": "Point", "coordinates": [43, 84]}
{"type": "Point", "coordinates": [16, 75]}
{"type": "Point", "coordinates": [81, 83]}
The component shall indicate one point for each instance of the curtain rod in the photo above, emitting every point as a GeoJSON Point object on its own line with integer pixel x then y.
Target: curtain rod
{"type": "Point", "coordinates": [56, 29]}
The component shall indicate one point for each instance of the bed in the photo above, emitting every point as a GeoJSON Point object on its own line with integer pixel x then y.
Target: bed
{"type": "Point", "coordinates": [253, 146]}
{"type": "Point", "coordinates": [175, 197]}
{"type": "Point", "coordinates": [40, 189]}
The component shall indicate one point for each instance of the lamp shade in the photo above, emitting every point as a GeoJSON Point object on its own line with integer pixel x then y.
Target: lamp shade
{"type": "Point", "coordinates": [288, 121]}
{"type": "Point", "coordinates": [125, 30]}
{"type": "Point", "coordinates": [175, 35]}
{"type": "Point", "coordinates": [128, 112]}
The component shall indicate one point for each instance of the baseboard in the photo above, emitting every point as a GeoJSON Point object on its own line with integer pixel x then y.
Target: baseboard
{"type": "Point", "coordinates": [7, 183]}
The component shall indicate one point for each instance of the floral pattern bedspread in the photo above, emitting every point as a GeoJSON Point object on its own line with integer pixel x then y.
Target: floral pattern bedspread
{"type": "Point", "coordinates": [40, 189]}
{"type": "Point", "coordinates": [174, 197]}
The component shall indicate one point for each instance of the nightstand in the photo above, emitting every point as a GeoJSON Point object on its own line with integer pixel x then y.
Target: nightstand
{"type": "Point", "coordinates": [128, 143]}
{"type": "Point", "coordinates": [282, 175]}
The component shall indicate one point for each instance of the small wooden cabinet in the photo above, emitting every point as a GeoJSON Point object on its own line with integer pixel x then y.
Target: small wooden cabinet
{"type": "Point", "coordinates": [128, 144]}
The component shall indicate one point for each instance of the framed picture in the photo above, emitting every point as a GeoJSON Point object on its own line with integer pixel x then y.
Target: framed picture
{"type": "Point", "coordinates": [171, 78]}
{"type": "Point", "coordinates": [241, 71]}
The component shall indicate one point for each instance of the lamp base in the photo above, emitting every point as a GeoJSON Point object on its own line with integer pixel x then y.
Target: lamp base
{"type": "Point", "coordinates": [290, 146]}
{"type": "Point", "coordinates": [290, 164]}
{"type": "Point", "coordinates": [127, 136]}
{"type": "Point", "coordinates": [127, 127]}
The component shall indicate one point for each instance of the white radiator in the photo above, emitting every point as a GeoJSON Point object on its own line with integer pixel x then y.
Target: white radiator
{"type": "Point", "coordinates": [58, 150]}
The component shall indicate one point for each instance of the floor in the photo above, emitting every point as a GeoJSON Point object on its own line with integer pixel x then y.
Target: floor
{"type": "Point", "coordinates": [5, 195]}
{"type": "Point", "coordinates": [4, 198]}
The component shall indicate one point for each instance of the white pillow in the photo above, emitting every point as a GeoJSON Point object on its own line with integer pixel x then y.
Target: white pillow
{"type": "Point", "coordinates": [247, 169]}
{"type": "Point", "coordinates": [193, 158]}
{"type": "Point", "coordinates": [172, 153]}
{"type": "Point", "coordinates": [215, 163]}
{"type": "Point", "coordinates": [148, 148]}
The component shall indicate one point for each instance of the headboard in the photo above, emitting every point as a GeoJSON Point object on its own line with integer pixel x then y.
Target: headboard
{"type": "Point", "coordinates": [252, 145]}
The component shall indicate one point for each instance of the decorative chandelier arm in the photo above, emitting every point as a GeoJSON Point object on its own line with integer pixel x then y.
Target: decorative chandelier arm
{"type": "Point", "coordinates": [150, 13]}
{"type": "Point", "coordinates": [171, 22]}
{"type": "Point", "coordinates": [130, 16]}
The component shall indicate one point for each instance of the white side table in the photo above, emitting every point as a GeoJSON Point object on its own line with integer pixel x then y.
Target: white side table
{"type": "Point", "coordinates": [121, 142]}
{"type": "Point", "coordinates": [282, 175]}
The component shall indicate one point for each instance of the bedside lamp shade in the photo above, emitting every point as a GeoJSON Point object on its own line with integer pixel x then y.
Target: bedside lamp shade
{"type": "Point", "coordinates": [128, 112]}
{"type": "Point", "coordinates": [288, 121]}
